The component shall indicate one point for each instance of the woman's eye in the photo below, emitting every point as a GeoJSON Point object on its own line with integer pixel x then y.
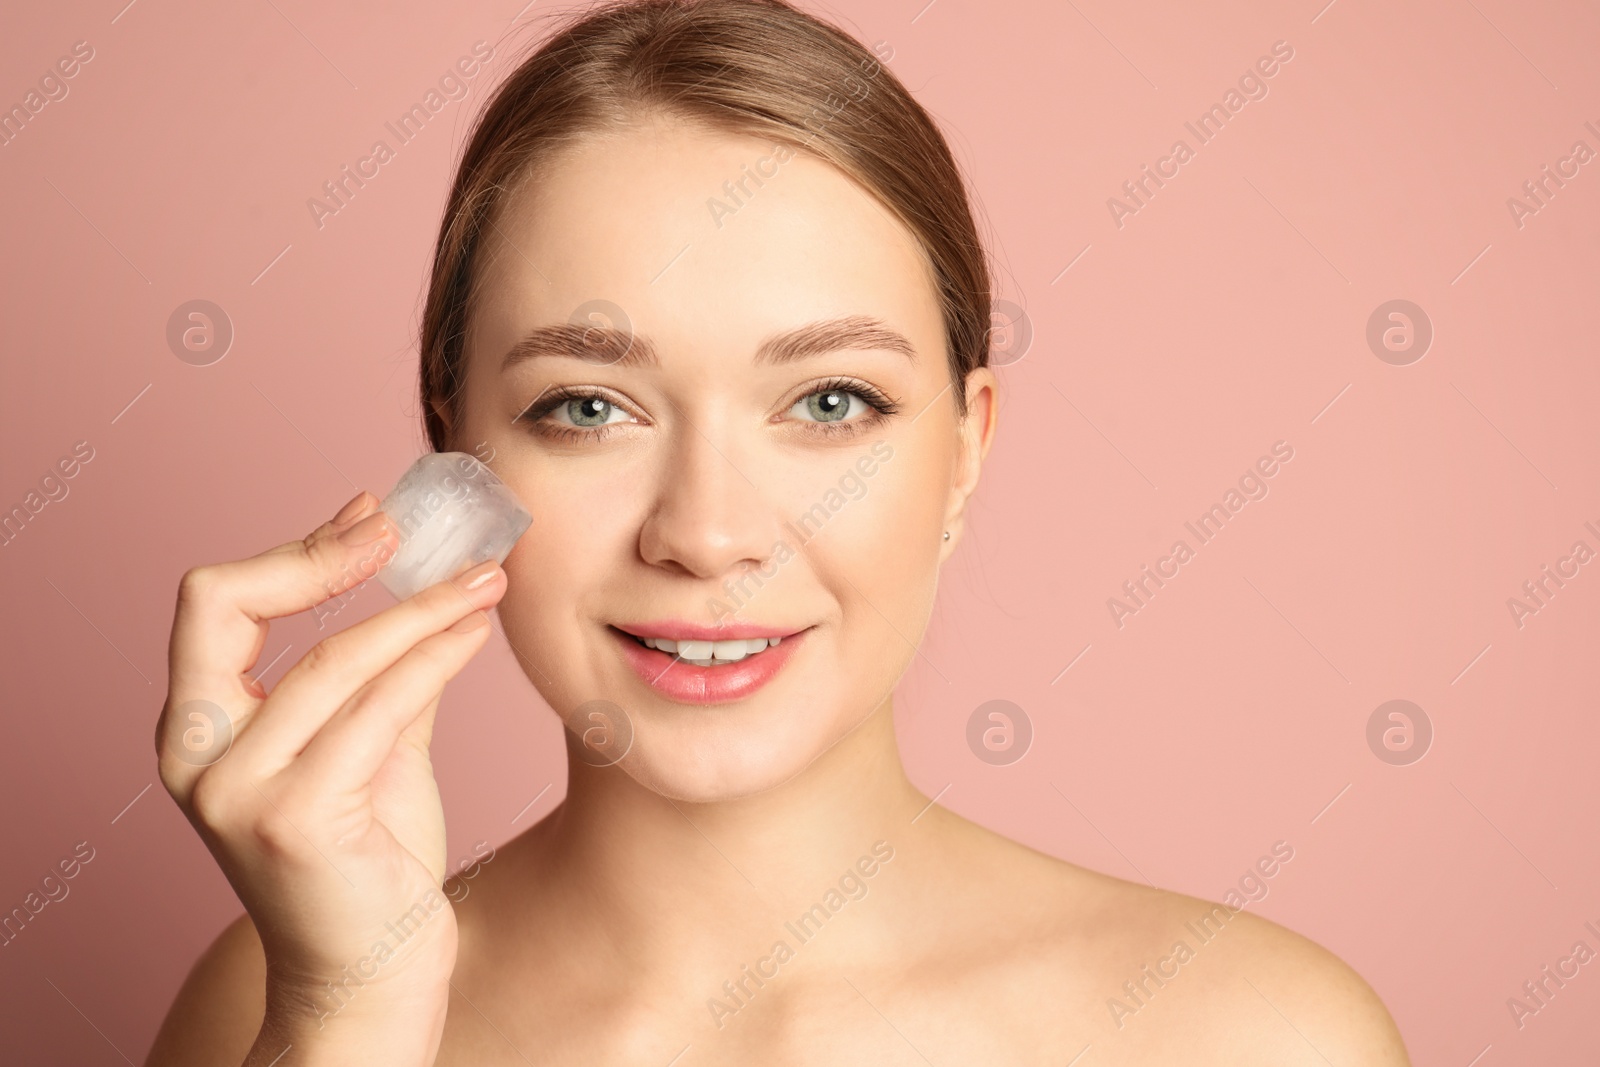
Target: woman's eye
{"type": "Point", "coordinates": [587, 412]}
{"type": "Point", "coordinates": [829, 405]}
{"type": "Point", "coordinates": [574, 416]}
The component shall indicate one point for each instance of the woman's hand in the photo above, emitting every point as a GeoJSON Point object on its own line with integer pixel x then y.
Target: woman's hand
{"type": "Point", "coordinates": [318, 800]}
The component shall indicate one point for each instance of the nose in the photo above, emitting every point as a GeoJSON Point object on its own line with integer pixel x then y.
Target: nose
{"type": "Point", "coordinates": [711, 519]}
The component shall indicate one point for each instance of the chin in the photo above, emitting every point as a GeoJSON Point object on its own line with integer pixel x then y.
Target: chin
{"type": "Point", "coordinates": [725, 752]}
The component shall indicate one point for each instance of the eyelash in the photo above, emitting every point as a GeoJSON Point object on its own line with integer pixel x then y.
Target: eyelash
{"type": "Point", "coordinates": [551, 399]}
{"type": "Point", "coordinates": [881, 404]}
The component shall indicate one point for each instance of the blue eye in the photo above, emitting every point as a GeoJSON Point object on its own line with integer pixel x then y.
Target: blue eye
{"type": "Point", "coordinates": [829, 405]}
{"type": "Point", "coordinates": [572, 414]}
{"type": "Point", "coordinates": [589, 411]}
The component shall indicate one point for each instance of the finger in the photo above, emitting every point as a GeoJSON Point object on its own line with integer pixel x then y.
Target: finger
{"type": "Point", "coordinates": [350, 749]}
{"type": "Point", "coordinates": [315, 688]}
{"type": "Point", "coordinates": [221, 606]}
{"type": "Point", "coordinates": [219, 626]}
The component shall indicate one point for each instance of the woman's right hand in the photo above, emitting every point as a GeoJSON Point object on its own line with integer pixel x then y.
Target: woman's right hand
{"type": "Point", "coordinates": [322, 811]}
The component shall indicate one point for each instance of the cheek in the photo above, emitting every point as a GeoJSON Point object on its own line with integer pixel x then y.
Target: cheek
{"type": "Point", "coordinates": [885, 542]}
{"type": "Point", "coordinates": [882, 563]}
{"type": "Point", "coordinates": [581, 538]}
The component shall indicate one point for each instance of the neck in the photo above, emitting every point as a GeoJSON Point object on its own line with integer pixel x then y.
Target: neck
{"type": "Point", "coordinates": [642, 863]}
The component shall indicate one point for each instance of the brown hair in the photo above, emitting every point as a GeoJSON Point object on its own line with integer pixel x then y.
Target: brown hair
{"type": "Point", "coordinates": [757, 67]}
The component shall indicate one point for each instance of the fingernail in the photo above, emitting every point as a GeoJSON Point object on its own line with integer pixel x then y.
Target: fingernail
{"type": "Point", "coordinates": [357, 504]}
{"type": "Point", "coordinates": [367, 530]}
{"type": "Point", "coordinates": [472, 622]}
{"type": "Point", "coordinates": [478, 576]}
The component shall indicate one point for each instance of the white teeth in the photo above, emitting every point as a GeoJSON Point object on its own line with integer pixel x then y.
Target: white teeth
{"type": "Point", "coordinates": [710, 653]}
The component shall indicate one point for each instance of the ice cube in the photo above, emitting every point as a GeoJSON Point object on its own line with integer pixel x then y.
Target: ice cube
{"type": "Point", "coordinates": [452, 514]}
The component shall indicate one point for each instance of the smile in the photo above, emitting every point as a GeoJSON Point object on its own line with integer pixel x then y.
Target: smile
{"type": "Point", "coordinates": [698, 665]}
{"type": "Point", "coordinates": [709, 653]}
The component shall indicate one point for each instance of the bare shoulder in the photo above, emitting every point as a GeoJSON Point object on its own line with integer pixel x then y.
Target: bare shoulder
{"type": "Point", "coordinates": [1302, 981]}
{"type": "Point", "coordinates": [1264, 987]}
{"type": "Point", "coordinates": [1149, 975]}
{"type": "Point", "coordinates": [219, 1008]}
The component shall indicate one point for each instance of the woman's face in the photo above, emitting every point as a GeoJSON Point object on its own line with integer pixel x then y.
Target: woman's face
{"type": "Point", "coordinates": [766, 447]}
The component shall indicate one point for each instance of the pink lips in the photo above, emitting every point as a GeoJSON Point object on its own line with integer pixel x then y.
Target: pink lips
{"type": "Point", "coordinates": [685, 683]}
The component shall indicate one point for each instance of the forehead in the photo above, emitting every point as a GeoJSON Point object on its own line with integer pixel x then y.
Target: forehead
{"type": "Point", "coordinates": [704, 239]}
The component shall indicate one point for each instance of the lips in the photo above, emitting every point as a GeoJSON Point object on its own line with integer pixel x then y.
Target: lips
{"type": "Point", "coordinates": [678, 680]}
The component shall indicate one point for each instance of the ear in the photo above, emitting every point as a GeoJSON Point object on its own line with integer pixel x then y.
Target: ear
{"type": "Point", "coordinates": [441, 410]}
{"type": "Point", "coordinates": [975, 433]}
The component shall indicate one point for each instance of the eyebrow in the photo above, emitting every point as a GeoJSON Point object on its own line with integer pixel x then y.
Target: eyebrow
{"type": "Point", "coordinates": [606, 346]}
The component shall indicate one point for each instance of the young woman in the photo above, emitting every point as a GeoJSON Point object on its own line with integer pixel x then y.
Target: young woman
{"type": "Point", "coordinates": [709, 295]}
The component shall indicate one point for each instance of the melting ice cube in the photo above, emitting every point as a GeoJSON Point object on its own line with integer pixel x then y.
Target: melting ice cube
{"type": "Point", "coordinates": [452, 514]}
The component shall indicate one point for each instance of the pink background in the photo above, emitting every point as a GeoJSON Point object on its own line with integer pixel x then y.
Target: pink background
{"type": "Point", "coordinates": [1228, 313]}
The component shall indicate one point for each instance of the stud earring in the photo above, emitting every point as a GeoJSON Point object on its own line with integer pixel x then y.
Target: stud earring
{"type": "Point", "coordinates": [947, 535]}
